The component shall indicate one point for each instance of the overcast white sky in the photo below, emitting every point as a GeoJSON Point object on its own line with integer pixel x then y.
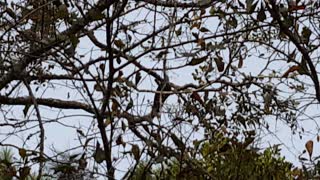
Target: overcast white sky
{"type": "Point", "coordinates": [63, 138]}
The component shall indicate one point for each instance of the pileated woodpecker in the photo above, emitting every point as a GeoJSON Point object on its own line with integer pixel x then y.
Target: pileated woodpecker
{"type": "Point", "coordinates": [293, 5]}
{"type": "Point", "coordinates": [159, 98]}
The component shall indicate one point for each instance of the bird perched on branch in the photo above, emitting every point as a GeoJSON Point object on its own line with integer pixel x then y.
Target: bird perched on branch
{"type": "Point", "coordinates": [160, 98]}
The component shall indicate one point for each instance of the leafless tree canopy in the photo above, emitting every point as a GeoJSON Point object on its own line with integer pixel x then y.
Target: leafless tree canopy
{"type": "Point", "coordinates": [145, 80]}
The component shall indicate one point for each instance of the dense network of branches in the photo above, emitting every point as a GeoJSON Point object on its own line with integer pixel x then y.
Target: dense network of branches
{"type": "Point", "coordinates": [110, 84]}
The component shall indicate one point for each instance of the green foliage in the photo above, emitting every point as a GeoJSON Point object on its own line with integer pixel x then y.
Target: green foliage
{"type": "Point", "coordinates": [221, 159]}
{"type": "Point", "coordinates": [7, 171]}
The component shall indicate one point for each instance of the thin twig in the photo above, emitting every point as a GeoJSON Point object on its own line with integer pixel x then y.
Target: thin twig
{"type": "Point", "coordinates": [42, 132]}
